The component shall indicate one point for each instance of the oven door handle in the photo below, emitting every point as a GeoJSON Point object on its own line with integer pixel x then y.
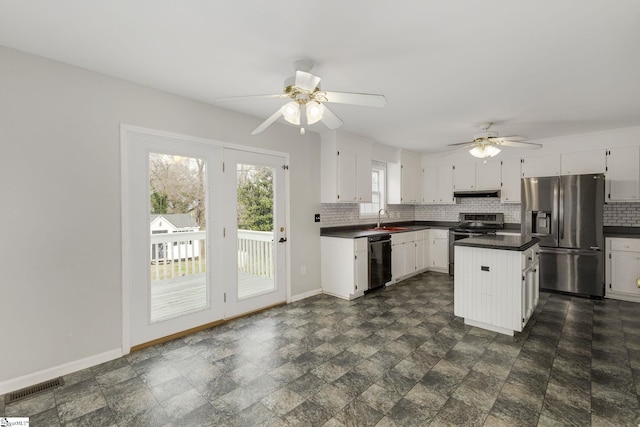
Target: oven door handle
{"type": "Point", "coordinates": [467, 234]}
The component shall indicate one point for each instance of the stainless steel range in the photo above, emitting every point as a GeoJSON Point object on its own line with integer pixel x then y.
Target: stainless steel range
{"type": "Point", "coordinates": [470, 225]}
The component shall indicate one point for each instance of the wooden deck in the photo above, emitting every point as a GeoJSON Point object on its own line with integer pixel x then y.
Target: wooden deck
{"type": "Point", "coordinates": [173, 297]}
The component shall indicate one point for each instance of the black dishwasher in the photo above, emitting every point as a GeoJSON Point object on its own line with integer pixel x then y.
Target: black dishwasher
{"type": "Point", "coordinates": [379, 261]}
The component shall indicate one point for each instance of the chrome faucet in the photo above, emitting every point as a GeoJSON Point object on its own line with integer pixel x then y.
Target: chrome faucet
{"type": "Point", "coordinates": [379, 220]}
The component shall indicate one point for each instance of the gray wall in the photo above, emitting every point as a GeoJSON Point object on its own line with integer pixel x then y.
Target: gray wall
{"type": "Point", "coordinates": [60, 274]}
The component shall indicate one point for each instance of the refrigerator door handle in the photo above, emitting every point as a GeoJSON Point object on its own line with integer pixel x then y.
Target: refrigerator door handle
{"type": "Point", "coordinates": [561, 212]}
{"type": "Point", "coordinates": [595, 248]}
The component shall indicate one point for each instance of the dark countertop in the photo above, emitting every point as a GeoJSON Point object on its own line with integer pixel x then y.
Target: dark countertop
{"type": "Point", "coordinates": [365, 230]}
{"type": "Point", "coordinates": [628, 232]}
{"type": "Point", "coordinates": [507, 243]}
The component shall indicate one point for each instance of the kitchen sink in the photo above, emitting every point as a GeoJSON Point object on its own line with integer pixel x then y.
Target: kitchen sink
{"type": "Point", "coordinates": [388, 229]}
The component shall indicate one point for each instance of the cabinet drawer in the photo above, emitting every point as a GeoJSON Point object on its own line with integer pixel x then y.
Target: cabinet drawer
{"type": "Point", "coordinates": [361, 244]}
{"type": "Point", "coordinates": [630, 245]}
{"type": "Point", "coordinates": [439, 234]}
{"type": "Point", "coordinates": [399, 238]}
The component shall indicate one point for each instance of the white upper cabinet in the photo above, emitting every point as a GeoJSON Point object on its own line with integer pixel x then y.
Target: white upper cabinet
{"type": "Point", "coordinates": [477, 176]}
{"type": "Point", "coordinates": [444, 184]}
{"type": "Point", "coordinates": [583, 162]}
{"type": "Point", "coordinates": [488, 175]}
{"type": "Point", "coordinates": [437, 184]}
{"type": "Point", "coordinates": [510, 190]}
{"type": "Point", "coordinates": [429, 185]}
{"type": "Point", "coordinates": [345, 168]}
{"type": "Point", "coordinates": [622, 176]}
{"type": "Point", "coordinates": [405, 179]}
{"type": "Point", "coordinates": [541, 166]}
{"type": "Point", "coordinates": [464, 177]}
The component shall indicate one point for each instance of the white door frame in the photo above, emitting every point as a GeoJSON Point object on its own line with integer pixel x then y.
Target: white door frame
{"type": "Point", "coordinates": [125, 132]}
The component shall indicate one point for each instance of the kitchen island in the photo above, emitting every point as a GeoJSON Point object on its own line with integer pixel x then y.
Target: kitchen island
{"type": "Point", "coordinates": [496, 282]}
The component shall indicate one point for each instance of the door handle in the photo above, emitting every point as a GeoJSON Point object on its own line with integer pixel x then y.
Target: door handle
{"type": "Point", "coordinates": [282, 239]}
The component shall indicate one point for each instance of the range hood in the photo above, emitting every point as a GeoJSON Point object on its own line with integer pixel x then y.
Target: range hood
{"type": "Point", "coordinates": [477, 193]}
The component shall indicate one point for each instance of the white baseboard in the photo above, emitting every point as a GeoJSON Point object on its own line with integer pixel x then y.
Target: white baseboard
{"type": "Point", "coordinates": [312, 293]}
{"type": "Point", "coordinates": [57, 371]}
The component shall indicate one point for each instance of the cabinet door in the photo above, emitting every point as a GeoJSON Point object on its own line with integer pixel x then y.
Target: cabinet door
{"type": "Point", "coordinates": [363, 171]}
{"type": "Point", "coordinates": [347, 175]}
{"type": "Point", "coordinates": [583, 162]}
{"type": "Point", "coordinates": [464, 177]}
{"type": "Point", "coordinates": [625, 272]}
{"type": "Point", "coordinates": [361, 270]}
{"type": "Point", "coordinates": [409, 257]}
{"type": "Point", "coordinates": [397, 261]}
{"type": "Point", "coordinates": [488, 175]}
{"type": "Point", "coordinates": [444, 182]}
{"type": "Point", "coordinates": [510, 189]}
{"type": "Point", "coordinates": [410, 178]}
{"type": "Point", "coordinates": [440, 254]}
{"type": "Point", "coordinates": [429, 186]}
{"type": "Point", "coordinates": [623, 178]}
{"type": "Point", "coordinates": [422, 261]}
{"type": "Point", "coordinates": [541, 166]}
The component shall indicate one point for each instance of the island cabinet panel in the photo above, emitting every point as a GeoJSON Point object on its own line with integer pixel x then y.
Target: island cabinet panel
{"type": "Point", "coordinates": [491, 288]}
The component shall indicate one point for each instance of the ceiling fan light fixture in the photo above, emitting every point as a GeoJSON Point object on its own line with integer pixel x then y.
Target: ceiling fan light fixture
{"type": "Point", "coordinates": [315, 112]}
{"type": "Point", "coordinates": [291, 112]}
{"type": "Point", "coordinates": [484, 151]}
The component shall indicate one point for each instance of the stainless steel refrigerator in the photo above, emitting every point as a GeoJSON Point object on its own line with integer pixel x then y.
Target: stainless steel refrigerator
{"type": "Point", "coordinates": [565, 213]}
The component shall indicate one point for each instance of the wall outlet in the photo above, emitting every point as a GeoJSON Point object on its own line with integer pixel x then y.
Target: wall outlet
{"type": "Point", "coordinates": [316, 217]}
{"type": "Point", "coordinates": [303, 270]}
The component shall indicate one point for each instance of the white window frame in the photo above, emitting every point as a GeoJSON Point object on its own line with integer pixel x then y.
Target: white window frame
{"type": "Point", "coordinates": [370, 210]}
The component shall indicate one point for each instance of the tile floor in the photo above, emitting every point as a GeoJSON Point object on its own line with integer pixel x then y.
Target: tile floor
{"type": "Point", "coordinates": [397, 357]}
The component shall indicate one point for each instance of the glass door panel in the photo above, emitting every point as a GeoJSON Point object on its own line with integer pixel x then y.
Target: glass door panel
{"type": "Point", "coordinates": [254, 199]}
{"type": "Point", "coordinates": [255, 242]}
{"type": "Point", "coordinates": [177, 225]}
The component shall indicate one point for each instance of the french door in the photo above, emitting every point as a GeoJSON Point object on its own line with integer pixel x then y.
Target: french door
{"type": "Point", "coordinates": [255, 231]}
{"type": "Point", "coordinates": [200, 239]}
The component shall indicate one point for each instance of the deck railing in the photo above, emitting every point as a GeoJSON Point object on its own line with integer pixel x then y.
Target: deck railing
{"type": "Point", "coordinates": [180, 254]}
{"type": "Point", "coordinates": [255, 252]}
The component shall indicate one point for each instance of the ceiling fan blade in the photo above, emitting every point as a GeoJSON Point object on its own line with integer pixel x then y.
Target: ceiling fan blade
{"type": "Point", "coordinates": [275, 116]}
{"type": "Point", "coordinates": [329, 119]}
{"type": "Point", "coordinates": [363, 99]}
{"type": "Point", "coordinates": [459, 147]}
{"type": "Point", "coordinates": [458, 144]}
{"type": "Point", "coordinates": [527, 145]}
{"type": "Point", "coordinates": [306, 81]}
{"type": "Point", "coordinates": [235, 98]}
{"type": "Point", "coordinates": [508, 138]}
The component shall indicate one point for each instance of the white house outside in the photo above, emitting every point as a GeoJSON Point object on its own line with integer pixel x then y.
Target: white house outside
{"type": "Point", "coordinates": [174, 249]}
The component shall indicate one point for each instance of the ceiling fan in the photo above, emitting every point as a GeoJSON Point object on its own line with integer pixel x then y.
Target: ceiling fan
{"type": "Point", "coordinates": [304, 93]}
{"type": "Point", "coordinates": [487, 143]}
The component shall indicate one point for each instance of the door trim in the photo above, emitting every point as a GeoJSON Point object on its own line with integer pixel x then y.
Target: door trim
{"type": "Point", "coordinates": [125, 131]}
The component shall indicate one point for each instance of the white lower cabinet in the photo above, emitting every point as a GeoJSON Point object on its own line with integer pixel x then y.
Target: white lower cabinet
{"type": "Point", "coordinates": [403, 255]}
{"type": "Point", "coordinates": [623, 269]}
{"type": "Point", "coordinates": [439, 250]}
{"type": "Point", "coordinates": [422, 250]}
{"type": "Point", "coordinates": [409, 254]}
{"type": "Point", "coordinates": [345, 266]}
{"type": "Point", "coordinates": [496, 289]}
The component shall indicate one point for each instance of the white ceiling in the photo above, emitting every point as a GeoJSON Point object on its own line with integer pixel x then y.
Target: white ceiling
{"type": "Point", "coordinates": [538, 68]}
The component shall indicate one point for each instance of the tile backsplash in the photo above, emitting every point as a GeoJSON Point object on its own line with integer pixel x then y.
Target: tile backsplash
{"type": "Point", "coordinates": [622, 214]}
{"type": "Point", "coordinates": [451, 212]}
{"type": "Point", "coordinates": [338, 214]}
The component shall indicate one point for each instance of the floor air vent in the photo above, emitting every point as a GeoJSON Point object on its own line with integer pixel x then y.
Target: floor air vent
{"type": "Point", "coordinates": [34, 389]}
